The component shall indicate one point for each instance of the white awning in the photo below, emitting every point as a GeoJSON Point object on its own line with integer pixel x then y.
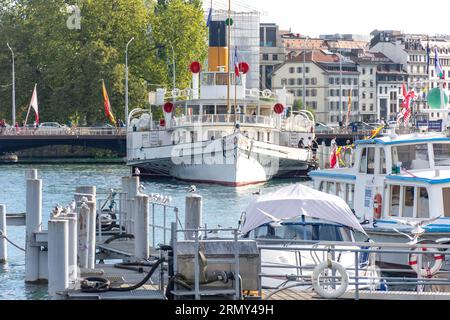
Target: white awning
{"type": "Point", "coordinates": [295, 201]}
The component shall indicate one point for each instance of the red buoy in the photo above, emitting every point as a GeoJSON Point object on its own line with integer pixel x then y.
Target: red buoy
{"type": "Point", "coordinates": [168, 107]}
{"type": "Point", "coordinates": [278, 108]}
{"type": "Point", "coordinates": [195, 67]}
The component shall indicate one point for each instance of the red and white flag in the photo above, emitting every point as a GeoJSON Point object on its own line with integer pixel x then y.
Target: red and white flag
{"type": "Point", "coordinates": [34, 104]}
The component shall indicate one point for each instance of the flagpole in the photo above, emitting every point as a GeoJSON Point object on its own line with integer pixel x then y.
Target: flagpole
{"type": "Point", "coordinates": [229, 46]}
{"type": "Point", "coordinates": [29, 107]}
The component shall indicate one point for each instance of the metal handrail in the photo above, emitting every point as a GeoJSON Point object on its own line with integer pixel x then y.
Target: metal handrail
{"type": "Point", "coordinates": [351, 247]}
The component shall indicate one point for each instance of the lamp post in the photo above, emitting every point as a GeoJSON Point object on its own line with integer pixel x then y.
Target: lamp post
{"type": "Point", "coordinates": [13, 87]}
{"type": "Point", "coordinates": [340, 87]}
{"type": "Point", "coordinates": [173, 66]}
{"type": "Point", "coordinates": [126, 82]}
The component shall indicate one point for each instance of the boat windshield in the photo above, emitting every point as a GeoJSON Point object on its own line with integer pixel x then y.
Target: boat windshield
{"type": "Point", "coordinates": [441, 154]}
{"type": "Point", "coordinates": [411, 157]}
{"type": "Point", "coordinates": [304, 231]}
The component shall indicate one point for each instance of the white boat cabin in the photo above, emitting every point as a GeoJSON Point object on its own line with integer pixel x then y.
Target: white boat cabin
{"type": "Point", "coordinates": [395, 177]}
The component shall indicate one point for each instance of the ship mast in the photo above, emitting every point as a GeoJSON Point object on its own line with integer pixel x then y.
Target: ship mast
{"type": "Point", "coordinates": [229, 47]}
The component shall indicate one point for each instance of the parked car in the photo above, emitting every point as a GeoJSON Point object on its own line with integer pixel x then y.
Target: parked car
{"type": "Point", "coordinates": [362, 126]}
{"type": "Point", "coordinates": [50, 125]}
{"type": "Point", "coordinates": [321, 127]}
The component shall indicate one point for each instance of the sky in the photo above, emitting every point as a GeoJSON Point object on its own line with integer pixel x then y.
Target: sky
{"type": "Point", "coordinates": [350, 16]}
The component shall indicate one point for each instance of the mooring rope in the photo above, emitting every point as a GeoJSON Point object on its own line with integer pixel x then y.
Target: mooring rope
{"type": "Point", "coordinates": [12, 243]}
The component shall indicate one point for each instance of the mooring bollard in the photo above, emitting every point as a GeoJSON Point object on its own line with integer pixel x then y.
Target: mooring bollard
{"type": "Point", "coordinates": [141, 218]}
{"type": "Point", "coordinates": [31, 174]}
{"type": "Point", "coordinates": [33, 224]}
{"type": "Point", "coordinates": [193, 219]}
{"type": "Point", "coordinates": [58, 257]}
{"type": "Point", "coordinates": [133, 191]}
{"type": "Point", "coordinates": [92, 222]}
{"type": "Point", "coordinates": [83, 235]}
{"type": "Point", "coordinates": [3, 247]}
{"type": "Point", "coordinates": [73, 246]}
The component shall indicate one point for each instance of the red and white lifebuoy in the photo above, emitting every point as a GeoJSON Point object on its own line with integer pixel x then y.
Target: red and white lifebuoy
{"type": "Point", "coordinates": [428, 271]}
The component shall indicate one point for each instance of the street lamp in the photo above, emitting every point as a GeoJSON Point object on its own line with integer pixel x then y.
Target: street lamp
{"type": "Point", "coordinates": [126, 81]}
{"type": "Point", "coordinates": [340, 87]}
{"type": "Point", "coordinates": [13, 87]}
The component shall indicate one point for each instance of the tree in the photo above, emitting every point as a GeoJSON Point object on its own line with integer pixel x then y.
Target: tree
{"type": "Point", "coordinates": [68, 65]}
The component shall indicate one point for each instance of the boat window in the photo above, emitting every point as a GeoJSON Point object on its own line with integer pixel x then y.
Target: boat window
{"type": "Point", "coordinates": [331, 188]}
{"type": "Point", "coordinates": [340, 190]}
{"type": "Point", "coordinates": [322, 186]}
{"type": "Point", "coordinates": [367, 164]}
{"type": "Point", "coordinates": [411, 156]}
{"type": "Point", "coordinates": [371, 161]}
{"type": "Point", "coordinates": [383, 169]}
{"type": "Point", "coordinates": [441, 154]}
{"type": "Point", "coordinates": [446, 198]}
{"type": "Point", "coordinates": [363, 163]}
{"type": "Point", "coordinates": [395, 201]}
{"type": "Point", "coordinates": [408, 202]}
{"type": "Point", "coordinates": [350, 195]}
{"type": "Point", "coordinates": [306, 232]}
{"type": "Point", "coordinates": [423, 206]}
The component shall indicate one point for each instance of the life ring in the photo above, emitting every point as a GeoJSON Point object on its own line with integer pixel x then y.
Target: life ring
{"type": "Point", "coordinates": [176, 93]}
{"type": "Point", "coordinates": [377, 206]}
{"type": "Point", "coordinates": [267, 93]}
{"type": "Point", "coordinates": [333, 293]}
{"type": "Point", "coordinates": [429, 271]}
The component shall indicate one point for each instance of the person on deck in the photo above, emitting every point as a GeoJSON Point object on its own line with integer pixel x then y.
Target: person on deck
{"type": "Point", "coordinates": [301, 144]}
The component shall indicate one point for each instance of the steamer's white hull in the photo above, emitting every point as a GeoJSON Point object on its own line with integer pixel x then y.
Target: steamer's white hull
{"type": "Point", "coordinates": [233, 161]}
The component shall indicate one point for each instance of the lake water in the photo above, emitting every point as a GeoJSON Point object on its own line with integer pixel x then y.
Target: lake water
{"type": "Point", "coordinates": [221, 205]}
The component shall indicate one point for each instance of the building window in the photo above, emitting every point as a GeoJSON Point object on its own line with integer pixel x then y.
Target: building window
{"type": "Point", "coordinates": [299, 81]}
{"type": "Point", "coordinates": [371, 107]}
{"type": "Point", "coordinates": [355, 81]}
{"type": "Point", "coordinates": [371, 83]}
{"type": "Point", "coordinates": [363, 107]}
{"type": "Point", "coordinates": [265, 57]}
{"type": "Point", "coordinates": [307, 93]}
{"type": "Point", "coordinates": [344, 81]}
{"type": "Point", "coordinates": [275, 57]}
{"type": "Point", "coordinates": [331, 92]}
{"type": "Point", "coordinates": [299, 92]}
{"type": "Point", "coordinates": [291, 82]}
{"type": "Point", "coordinates": [371, 71]}
{"type": "Point", "coordinates": [314, 81]}
{"type": "Point", "coordinates": [314, 105]}
{"type": "Point", "coordinates": [371, 95]}
{"type": "Point", "coordinates": [314, 93]}
{"type": "Point", "coordinates": [307, 81]}
{"type": "Point", "coordinates": [363, 84]}
{"type": "Point", "coordinates": [307, 69]}
{"type": "Point", "coordinates": [299, 70]}
{"type": "Point", "coordinates": [363, 95]}
{"type": "Point", "coordinates": [283, 82]}
{"type": "Point", "coordinates": [291, 70]}
{"type": "Point", "coordinates": [364, 71]}
{"type": "Point", "coordinates": [331, 80]}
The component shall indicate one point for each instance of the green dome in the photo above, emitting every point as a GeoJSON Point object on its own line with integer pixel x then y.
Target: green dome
{"type": "Point", "coordinates": [434, 98]}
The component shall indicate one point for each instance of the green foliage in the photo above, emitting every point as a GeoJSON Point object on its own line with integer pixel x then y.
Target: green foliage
{"type": "Point", "coordinates": [68, 65]}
